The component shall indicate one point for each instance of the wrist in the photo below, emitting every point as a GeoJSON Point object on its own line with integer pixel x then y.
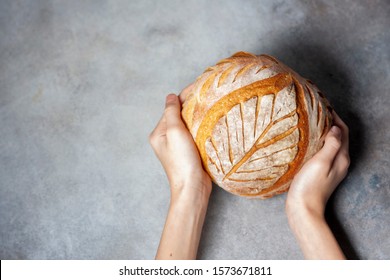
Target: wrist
{"type": "Point", "coordinates": [192, 195]}
{"type": "Point", "coordinates": [313, 234]}
{"type": "Point", "coordinates": [304, 204]}
{"type": "Point", "coordinates": [300, 213]}
{"type": "Point", "coordinates": [185, 219]}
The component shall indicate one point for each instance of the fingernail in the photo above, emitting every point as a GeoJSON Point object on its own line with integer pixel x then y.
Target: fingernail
{"type": "Point", "coordinates": [170, 98]}
{"type": "Point", "coordinates": [336, 131]}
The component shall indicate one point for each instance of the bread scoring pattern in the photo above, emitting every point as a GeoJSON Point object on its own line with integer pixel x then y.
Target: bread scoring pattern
{"type": "Point", "coordinates": [256, 140]}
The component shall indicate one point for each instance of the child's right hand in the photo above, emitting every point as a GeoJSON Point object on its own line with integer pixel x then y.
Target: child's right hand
{"type": "Point", "coordinates": [319, 177]}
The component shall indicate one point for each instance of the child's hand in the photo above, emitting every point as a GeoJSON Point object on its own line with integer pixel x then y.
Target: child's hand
{"type": "Point", "coordinates": [310, 191]}
{"type": "Point", "coordinates": [319, 177]}
{"type": "Point", "coordinates": [175, 148]}
{"type": "Point", "coordinates": [190, 184]}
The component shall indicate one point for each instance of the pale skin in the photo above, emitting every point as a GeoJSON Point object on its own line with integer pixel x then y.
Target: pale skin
{"type": "Point", "coordinates": [191, 187]}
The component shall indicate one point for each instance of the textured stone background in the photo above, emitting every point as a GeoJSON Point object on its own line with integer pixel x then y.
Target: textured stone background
{"type": "Point", "coordinates": [83, 83]}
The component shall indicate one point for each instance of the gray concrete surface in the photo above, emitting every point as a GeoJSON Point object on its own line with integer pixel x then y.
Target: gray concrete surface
{"type": "Point", "coordinates": [83, 83]}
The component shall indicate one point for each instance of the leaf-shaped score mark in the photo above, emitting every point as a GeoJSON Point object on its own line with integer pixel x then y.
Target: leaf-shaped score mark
{"type": "Point", "coordinates": [255, 140]}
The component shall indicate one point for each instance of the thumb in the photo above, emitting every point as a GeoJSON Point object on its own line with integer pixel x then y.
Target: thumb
{"type": "Point", "coordinates": [172, 111]}
{"type": "Point", "coordinates": [332, 145]}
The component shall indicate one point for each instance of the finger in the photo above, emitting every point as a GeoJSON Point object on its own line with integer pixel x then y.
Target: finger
{"type": "Point", "coordinates": [173, 111]}
{"type": "Point", "coordinates": [331, 146]}
{"type": "Point", "coordinates": [341, 164]}
{"type": "Point", "coordinates": [344, 132]}
{"type": "Point", "coordinates": [184, 93]}
{"type": "Point", "coordinates": [342, 160]}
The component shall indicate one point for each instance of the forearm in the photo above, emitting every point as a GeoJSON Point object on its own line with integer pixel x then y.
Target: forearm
{"type": "Point", "coordinates": [183, 227]}
{"type": "Point", "coordinates": [314, 235]}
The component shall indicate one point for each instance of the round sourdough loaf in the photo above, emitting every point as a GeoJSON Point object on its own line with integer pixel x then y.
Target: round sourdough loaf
{"type": "Point", "coordinates": [255, 122]}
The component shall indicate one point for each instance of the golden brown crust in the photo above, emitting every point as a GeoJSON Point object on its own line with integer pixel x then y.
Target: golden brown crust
{"type": "Point", "coordinates": [255, 123]}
